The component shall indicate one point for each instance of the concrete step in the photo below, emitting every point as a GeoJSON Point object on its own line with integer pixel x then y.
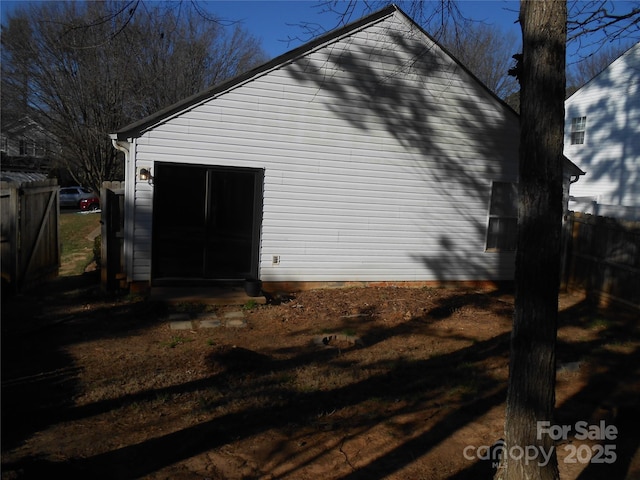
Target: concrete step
{"type": "Point", "coordinates": [208, 295]}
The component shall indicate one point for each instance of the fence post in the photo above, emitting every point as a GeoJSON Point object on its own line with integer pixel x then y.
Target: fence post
{"type": "Point", "coordinates": [567, 232]}
{"type": "Point", "coordinates": [111, 271]}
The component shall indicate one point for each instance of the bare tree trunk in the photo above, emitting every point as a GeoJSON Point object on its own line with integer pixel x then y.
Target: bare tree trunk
{"type": "Point", "coordinates": [531, 393]}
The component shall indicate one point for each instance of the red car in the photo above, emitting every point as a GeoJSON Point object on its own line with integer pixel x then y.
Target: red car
{"type": "Point", "coordinates": [79, 197]}
{"type": "Point", "coordinates": [92, 203]}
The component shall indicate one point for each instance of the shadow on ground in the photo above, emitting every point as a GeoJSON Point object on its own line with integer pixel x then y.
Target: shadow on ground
{"type": "Point", "coordinates": [255, 397]}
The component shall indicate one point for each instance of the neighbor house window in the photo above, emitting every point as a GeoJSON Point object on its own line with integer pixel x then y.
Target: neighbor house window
{"type": "Point", "coordinates": [40, 149]}
{"type": "Point", "coordinates": [578, 127]}
{"type": "Point", "coordinates": [29, 147]}
{"type": "Point", "coordinates": [503, 217]}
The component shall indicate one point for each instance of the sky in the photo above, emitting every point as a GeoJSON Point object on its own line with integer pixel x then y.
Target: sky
{"type": "Point", "coordinates": [275, 21]}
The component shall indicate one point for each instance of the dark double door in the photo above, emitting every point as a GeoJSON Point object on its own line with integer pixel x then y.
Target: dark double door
{"type": "Point", "coordinates": [206, 222]}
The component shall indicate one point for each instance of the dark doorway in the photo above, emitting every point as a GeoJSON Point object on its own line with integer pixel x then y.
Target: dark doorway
{"type": "Point", "coordinates": [206, 222]}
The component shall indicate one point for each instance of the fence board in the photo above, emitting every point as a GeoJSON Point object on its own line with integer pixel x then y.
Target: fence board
{"type": "Point", "coordinates": [30, 232]}
{"type": "Point", "coordinates": [605, 258]}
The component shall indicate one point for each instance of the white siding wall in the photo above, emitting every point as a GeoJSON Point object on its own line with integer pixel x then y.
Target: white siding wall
{"type": "Point", "coordinates": [378, 150]}
{"type": "Point", "coordinates": [610, 155]}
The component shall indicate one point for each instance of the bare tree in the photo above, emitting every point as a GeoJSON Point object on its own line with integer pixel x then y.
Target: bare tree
{"type": "Point", "coordinates": [89, 68]}
{"type": "Point", "coordinates": [487, 51]}
{"type": "Point", "coordinates": [597, 23]}
{"type": "Point", "coordinates": [541, 71]}
{"type": "Point", "coordinates": [484, 49]}
{"type": "Point", "coordinates": [436, 14]}
{"type": "Point", "coordinates": [532, 369]}
{"type": "Point", "coordinates": [14, 90]}
{"type": "Point", "coordinates": [598, 31]}
{"type": "Point", "coordinates": [588, 67]}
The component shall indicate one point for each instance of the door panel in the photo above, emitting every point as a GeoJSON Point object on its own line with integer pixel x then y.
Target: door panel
{"type": "Point", "coordinates": [206, 222]}
{"type": "Point", "coordinates": [230, 220]}
{"type": "Point", "coordinates": [178, 222]}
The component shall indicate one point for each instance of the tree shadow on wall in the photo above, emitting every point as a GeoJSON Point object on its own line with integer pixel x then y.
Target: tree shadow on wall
{"type": "Point", "coordinates": [442, 129]}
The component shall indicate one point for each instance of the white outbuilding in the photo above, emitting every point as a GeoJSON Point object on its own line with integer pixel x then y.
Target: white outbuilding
{"type": "Point", "coordinates": [367, 155]}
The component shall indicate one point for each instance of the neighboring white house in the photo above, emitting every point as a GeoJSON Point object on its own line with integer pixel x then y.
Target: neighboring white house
{"type": "Point", "coordinates": [368, 154]}
{"type": "Point", "coordinates": [602, 137]}
{"type": "Point", "coordinates": [25, 145]}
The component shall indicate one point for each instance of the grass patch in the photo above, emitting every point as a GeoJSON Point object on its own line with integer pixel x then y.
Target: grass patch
{"type": "Point", "coordinates": [76, 247]}
{"type": "Point", "coordinates": [599, 323]}
{"type": "Point", "coordinates": [177, 340]}
{"type": "Point", "coordinates": [250, 305]}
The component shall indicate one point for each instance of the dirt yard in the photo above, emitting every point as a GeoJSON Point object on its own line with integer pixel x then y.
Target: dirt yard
{"type": "Point", "coordinates": [358, 383]}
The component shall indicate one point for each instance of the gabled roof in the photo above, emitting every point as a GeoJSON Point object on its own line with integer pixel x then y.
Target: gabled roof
{"type": "Point", "coordinates": [137, 128]}
{"type": "Point", "coordinates": [25, 123]}
{"type": "Point", "coordinates": [633, 50]}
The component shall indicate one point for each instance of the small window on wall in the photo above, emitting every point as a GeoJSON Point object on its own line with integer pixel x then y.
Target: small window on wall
{"type": "Point", "coordinates": [578, 127]}
{"type": "Point", "coordinates": [503, 217]}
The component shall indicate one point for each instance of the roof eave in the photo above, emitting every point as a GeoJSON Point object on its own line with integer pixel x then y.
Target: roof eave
{"type": "Point", "coordinates": [135, 129]}
{"type": "Point", "coordinates": [572, 168]}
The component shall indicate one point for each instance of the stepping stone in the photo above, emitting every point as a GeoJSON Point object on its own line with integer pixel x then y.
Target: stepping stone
{"type": "Point", "coordinates": [236, 323]}
{"type": "Point", "coordinates": [181, 325]}
{"type": "Point", "coordinates": [234, 314]}
{"type": "Point", "coordinates": [210, 323]}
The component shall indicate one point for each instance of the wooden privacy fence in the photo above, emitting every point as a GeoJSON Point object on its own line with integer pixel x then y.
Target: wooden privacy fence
{"type": "Point", "coordinates": [604, 258]}
{"type": "Point", "coordinates": [30, 237]}
{"type": "Point", "coordinates": [112, 271]}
